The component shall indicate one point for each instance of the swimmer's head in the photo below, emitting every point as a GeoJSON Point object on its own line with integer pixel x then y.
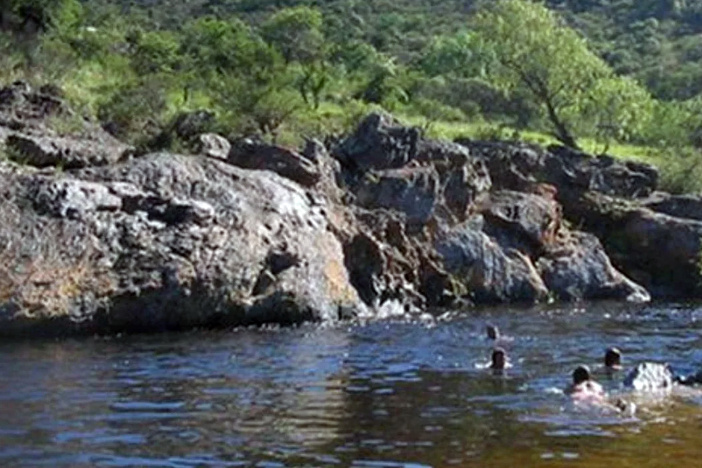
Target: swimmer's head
{"type": "Point", "coordinates": [581, 374]}
{"type": "Point", "coordinates": [492, 331]}
{"type": "Point", "coordinates": [613, 358]}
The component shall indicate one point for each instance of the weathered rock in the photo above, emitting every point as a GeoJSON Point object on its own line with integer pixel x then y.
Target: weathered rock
{"type": "Point", "coordinates": [379, 142]}
{"type": "Point", "coordinates": [580, 269]}
{"type": "Point", "coordinates": [485, 271]}
{"type": "Point", "coordinates": [174, 242]}
{"type": "Point", "coordinates": [657, 250]}
{"type": "Point", "coordinates": [67, 198]}
{"type": "Point", "coordinates": [385, 264]}
{"type": "Point", "coordinates": [434, 186]}
{"type": "Point", "coordinates": [37, 128]}
{"type": "Point", "coordinates": [413, 191]}
{"type": "Point", "coordinates": [66, 153]}
{"type": "Point", "coordinates": [686, 206]}
{"type": "Point", "coordinates": [518, 166]}
{"type": "Point", "coordinates": [390, 220]}
{"type": "Point", "coordinates": [250, 154]}
{"type": "Point", "coordinates": [391, 167]}
{"type": "Point", "coordinates": [20, 101]}
{"type": "Point", "coordinates": [527, 222]}
{"type": "Point", "coordinates": [213, 146]}
{"type": "Point", "coordinates": [603, 174]}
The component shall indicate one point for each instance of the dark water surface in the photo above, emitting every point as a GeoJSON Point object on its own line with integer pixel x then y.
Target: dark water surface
{"type": "Point", "coordinates": [383, 394]}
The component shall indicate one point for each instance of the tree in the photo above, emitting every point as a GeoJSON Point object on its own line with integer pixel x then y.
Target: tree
{"type": "Point", "coordinates": [156, 52]}
{"type": "Point", "coordinates": [534, 50]}
{"type": "Point", "coordinates": [254, 106]}
{"type": "Point", "coordinates": [617, 110]}
{"type": "Point", "coordinates": [36, 15]}
{"type": "Point", "coordinates": [296, 33]}
{"type": "Point", "coordinates": [459, 54]}
{"type": "Point", "coordinates": [224, 47]}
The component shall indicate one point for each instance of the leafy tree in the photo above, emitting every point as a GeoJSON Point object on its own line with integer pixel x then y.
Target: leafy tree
{"type": "Point", "coordinates": [534, 50]}
{"type": "Point", "coordinates": [618, 109]}
{"type": "Point", "coordinates": [258, 104]}
{"type": "Point", "coordinates": [224, 46]}
{"type": "Point", "coordinates": [32, 13]}
{"type": "Point", "coordinates": [215, 50]}
{"type": "Point", "coordinates": [156, 52]}
{"type": "Point", "coordinates": [312, 82]}
{"type": "Point", "coordinates": [461, 54]}
{"type": "Point", "coordinates": [296, 33]}
{"type": "Point", "coordinates": [384, 84]}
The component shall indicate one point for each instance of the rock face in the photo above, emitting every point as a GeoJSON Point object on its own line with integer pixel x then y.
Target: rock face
{"type": "Point", "coordinates": [250, 154]}
{"type": "Point", "coordinates": [652, 237]}
{"type": "Point", "coordinates": [462, 228]}
{"type": "Point", "coordinates": [518, 166]}
{"type": "Point", "coordinates": [65, 153]}
{"type": "Point", "coordinates": [170, 242]}
{"type": "Point", "coordinates": [486, 272]}
{"type": "Point", "coordinates": [384, 221]}
{"type": "Point", "coordinates": [213, 145]}
{"type": "Point", "coordinates": [38, 129]}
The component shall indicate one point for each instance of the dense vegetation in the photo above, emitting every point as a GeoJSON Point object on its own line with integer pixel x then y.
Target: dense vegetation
{"type": "Point", "coordinates": [593, 73]}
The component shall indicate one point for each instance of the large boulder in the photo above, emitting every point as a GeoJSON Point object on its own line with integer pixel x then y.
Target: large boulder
{"type": "Point", "coordinates": [64, 152]}
{"type": "Point", "coordinates": [413, 191]}
{"type": "Point", "coordinates": [20, 103]}
{"type": "Point", "coordinates": [251, 154]}
{"type": "Point", "coordinates": [485, 271]}
{"type": "Point", "coordinates": [527, 222]}
{"type": "Point", "coordinates": [580, 269]}
{"type": "Point", "coordinates": [165, 242]}
{"type": "Point", "coordinates": [392, 167]}
{"type": "Point", "coordinates": [657, 250]}
{"type": "Point", "coordinates": [518, 166]}
{"type": "Point", "coordinates": [517, 250]}
{"type": "Point", "coordinates": [213, 146]}
{"type": "Point", "coordinates": [379, 142]}
{"type": "Point", "coordinates": [688, 206]}
{"type": "Point", "coordinates": [39, 129]}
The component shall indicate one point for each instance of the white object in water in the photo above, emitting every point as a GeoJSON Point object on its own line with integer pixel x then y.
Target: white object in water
{"type": "Point", "coordinates": [650, 377]}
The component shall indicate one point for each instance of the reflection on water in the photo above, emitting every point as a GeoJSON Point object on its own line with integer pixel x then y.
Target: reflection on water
{"type": "Point", "coordinates": [410, 394]}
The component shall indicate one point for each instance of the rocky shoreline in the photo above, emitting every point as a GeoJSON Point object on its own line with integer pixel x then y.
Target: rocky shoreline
{"type": "Point", "coordinates": [95, 239]}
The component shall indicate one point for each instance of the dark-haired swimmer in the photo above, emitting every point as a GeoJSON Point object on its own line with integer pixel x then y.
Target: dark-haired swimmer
{"type": "Point", "coordinates": [499, 361]}
{"type": "Point", "coordinates": [493, 333]}
{"type": "Point", "coordinates": [613, 359]}
{"type": "Point", "coordinates": [583, 387]}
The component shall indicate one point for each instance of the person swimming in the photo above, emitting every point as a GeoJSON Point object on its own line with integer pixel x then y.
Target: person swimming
{"type": "Point", "coordinates": [613, 359]}
{"type": "Point", "coordinates": [499, 360]}
{"type": "Point", "coordinates": [583, 386]}
{"type": "Point", "coordinates": [689, 380]}
{"type": "Point", "coordinates": [493, 333]}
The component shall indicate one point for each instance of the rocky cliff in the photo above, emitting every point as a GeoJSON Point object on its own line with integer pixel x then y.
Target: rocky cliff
{"type": "Point", "coordinates": [94, 238]}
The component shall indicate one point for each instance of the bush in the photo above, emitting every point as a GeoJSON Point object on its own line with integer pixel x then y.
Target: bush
{"type": "Point", "coordinates": [680, 170]}
{"type": "Point", "coordinates": [136, 111]}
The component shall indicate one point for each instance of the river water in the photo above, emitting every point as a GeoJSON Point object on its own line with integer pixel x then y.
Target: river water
{"type": "Point", "coordinates": [394, 393]}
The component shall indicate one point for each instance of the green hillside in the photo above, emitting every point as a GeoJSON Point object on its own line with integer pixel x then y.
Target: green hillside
{"type": "Point", "coordinates": [658, 41]}
{"type": "Point", "coordinates": [605, 75]}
